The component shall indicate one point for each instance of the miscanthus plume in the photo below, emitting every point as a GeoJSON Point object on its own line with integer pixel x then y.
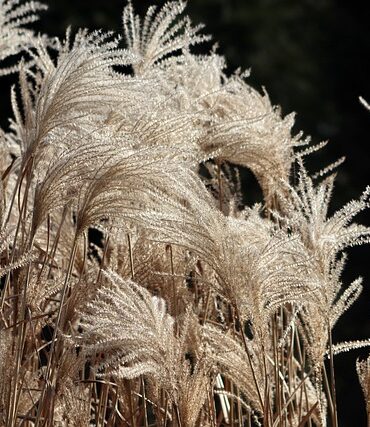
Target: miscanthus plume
{"type": "Point", "coordinates": [135, 288]}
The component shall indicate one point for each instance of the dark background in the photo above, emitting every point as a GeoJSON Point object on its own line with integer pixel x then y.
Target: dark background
{"type": "Point", "coordinates": [312, 57]}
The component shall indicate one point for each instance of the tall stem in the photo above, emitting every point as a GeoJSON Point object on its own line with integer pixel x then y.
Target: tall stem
{"type": "Point", "coordinates": [332, 379]}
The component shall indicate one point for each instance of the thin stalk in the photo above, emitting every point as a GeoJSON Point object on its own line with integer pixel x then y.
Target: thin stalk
{"type": "Point", "coordinates": [144, 402]}
{"type": "Point", "coordinates": [103, 259]}
{"type": "Point", "coordinates": [56, 240]}
{"type": "Point", "coordinates": [174, 290]}
{"type": "Point", "coordinates": [178, 416]}
{"type": "Point", "coordinates": [130, 403]}
{"type": "Point", "coordinates": [211, 409]}
{"type": "Point", "coordinates": [128, 382]}
{"type": "Point", "coordinates": [276, 366]}
{"type": "Point", "coordinates": [328, 392]}
{"type": "Point", "coordinates": [332, 379]}
{"type": "Point", "coordinates": [206, 307]}
{"type": "Point", "coordinates": [46, 249]}
{"type": "Point", "coordinates": [131, 257]}
{"type": "Point", "coordinates": [15, 192]}
{"type": "Point", "coordinates": [220, 189]}
{"type": "Point", "coordinates": [103, 402]}
{"type": "Point", "coordinates": [249, 358]}
{"type": "Point", "coordinates": [165, 411]}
